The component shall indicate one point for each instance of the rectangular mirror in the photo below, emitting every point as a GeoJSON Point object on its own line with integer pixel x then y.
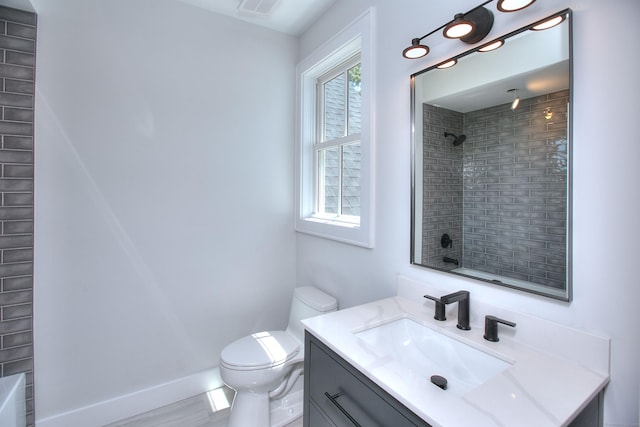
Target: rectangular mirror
{"type": "Point", "coordinates": [491, 196]}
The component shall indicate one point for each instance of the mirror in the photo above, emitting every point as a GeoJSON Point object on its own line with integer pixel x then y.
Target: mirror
{"type": "Point", "coordinates": [491, 185]}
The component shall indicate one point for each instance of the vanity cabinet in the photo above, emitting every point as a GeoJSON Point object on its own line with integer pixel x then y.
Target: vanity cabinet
{"type": "Point", "coordinates": [338, 395]}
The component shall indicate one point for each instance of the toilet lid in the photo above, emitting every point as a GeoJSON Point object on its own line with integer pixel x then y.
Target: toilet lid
{"type": "Point", "coordinates": [260, 350]}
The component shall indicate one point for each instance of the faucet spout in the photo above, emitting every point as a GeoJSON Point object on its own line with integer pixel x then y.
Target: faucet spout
{"type": "Point", "coordinates": [462, 298]}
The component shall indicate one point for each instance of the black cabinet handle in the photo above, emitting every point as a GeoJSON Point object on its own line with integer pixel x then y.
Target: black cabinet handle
{"type": "Point", "coordinates": [333, 399]}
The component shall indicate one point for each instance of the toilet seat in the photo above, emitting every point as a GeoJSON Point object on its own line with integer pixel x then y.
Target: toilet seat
{"type": "Point", "coordinates": [262, 350]}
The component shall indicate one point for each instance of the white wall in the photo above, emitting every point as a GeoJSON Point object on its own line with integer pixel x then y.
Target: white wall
{"type": "Point", "coordinates": [606, 176]}
{"type": "Point", "coordinates": [163, 200]}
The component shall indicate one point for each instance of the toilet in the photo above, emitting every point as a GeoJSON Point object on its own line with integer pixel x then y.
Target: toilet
{"type": "Point", "coordinates": [266, 365]}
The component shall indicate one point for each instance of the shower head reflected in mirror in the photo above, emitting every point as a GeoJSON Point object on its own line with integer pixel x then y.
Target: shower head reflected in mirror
{"type": "Point", "coordinates": [457, 140]}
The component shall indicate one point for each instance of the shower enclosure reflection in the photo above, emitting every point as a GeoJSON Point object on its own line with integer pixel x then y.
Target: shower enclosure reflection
{"type": "Point", "coordinates": [491, 194]}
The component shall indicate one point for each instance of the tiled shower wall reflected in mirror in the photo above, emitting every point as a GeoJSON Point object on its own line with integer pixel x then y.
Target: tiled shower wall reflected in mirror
{"type": "Point", "coordinates": [17, 80]}
{"type": "Point", "coordinates": [502, 194]}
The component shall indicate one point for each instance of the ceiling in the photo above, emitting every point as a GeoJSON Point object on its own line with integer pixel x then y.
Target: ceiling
{"type": "Point", "coordinates": [287, 16]}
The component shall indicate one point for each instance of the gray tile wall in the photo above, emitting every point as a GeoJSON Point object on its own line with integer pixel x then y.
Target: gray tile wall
{"type": "Point", "coordinates": [502, 194]}
{"type": "Point", "coordinates": [442, 164]}
{"type": "Point", "coordinates": [515, 190]}
{"type": "Point", "coordinates": [17, 81]}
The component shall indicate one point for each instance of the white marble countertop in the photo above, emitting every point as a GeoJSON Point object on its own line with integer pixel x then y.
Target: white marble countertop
{"type": "Point", "coordinates": [538, 389]}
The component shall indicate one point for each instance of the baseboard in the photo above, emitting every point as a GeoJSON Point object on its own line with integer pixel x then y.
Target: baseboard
{"type": "Point", "coordinates": [135, 403]}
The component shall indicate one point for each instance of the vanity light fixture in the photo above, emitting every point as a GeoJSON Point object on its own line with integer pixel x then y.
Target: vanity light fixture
{"type": "Point", "coordinates": [491, 46]}
{"type": "Point", "coordinates": [459, 27]}
{"type": "Point", "coordinates": [416, 50]}
{"type": "Point", "coordinates": [513, 5]}
{"type": "Point", "coordinates": [549, 23]}
{"type": "Point", "coordinates": [516, 100]}
{"type": "Point", "coordinates": [447, 64]}
{"type": "Point", "coordinates": [470, 27]}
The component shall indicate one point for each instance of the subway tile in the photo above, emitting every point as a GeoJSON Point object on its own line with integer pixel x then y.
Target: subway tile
{"type": "Point", "coordinates": [19, 366]}
{"type": "Point", "coordinates": [15, 100]}
{"type": "Point", "coordinates": [14, 156]}
{"type": "Point", "coordinates": [18, 143]}
{"type": "Point", "coordinates": [18, 115]}
{"type": "Point", "coordinates": [15, 213]}
{"type": "Point", "coordinates": [10, 71]}
{"type": "Point", "coordinates": [18, 171]}
{"type": "Point", "coordinates": [17, 283]}
{"type": "Point", "coordinates": [14, 242]}
{"type": "Point", "coordinates": [17, 325]}
{"type": "Point", "coordinates": [15, 43]}
{"type": "Point", "coordinates": [530, 172]}
{"type": "Point", "coordinates": [19, 30]}
{"type": "Point", "coordinates": [14, 128]}
{"type": "Point", "coordinates": [17, 227]}
{"type": "Point", "coordinates": [18, 311]}
{"type": "Point", "coordinates": [558, 269]}
{"type": "Point", "coordinates": [16, 297]}
{"type": "Point", "coordinates": [19, 185]}
{"type": "Point", "coordinates": [17, 339]}
{"type": "Point", "coordinates": [15, 270]}
{"type": "Point", "coordinates": [17, 255]}
{"type": "Point", "coordinates": [548, 222]}
{"type": "Point", "coordinates": [17, 353]}
{"type": "Point", "coordinates": [19, 86]}
{"type": "Point", "coordinates": [18, 199]}
{"type": "Point", "coordinates": [20, 58]}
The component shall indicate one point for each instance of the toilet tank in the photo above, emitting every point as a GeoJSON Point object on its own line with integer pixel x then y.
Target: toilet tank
{"type": "Point", "coordinates": [308, 302]}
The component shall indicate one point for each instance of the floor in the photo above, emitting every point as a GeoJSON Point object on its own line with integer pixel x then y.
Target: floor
{"type": "Point", "coordinates": [192, 412]}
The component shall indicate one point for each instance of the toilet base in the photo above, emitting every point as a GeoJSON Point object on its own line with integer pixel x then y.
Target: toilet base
{"type": "Point", "coordinates": [249, 409]}
{"type": "Point", "coordinates": [280, 412]}
{"type": "Point", "coordinates": [287, 409]}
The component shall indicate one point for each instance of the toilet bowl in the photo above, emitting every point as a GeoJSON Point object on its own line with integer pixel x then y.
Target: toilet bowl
{"type": "Point", "coordinates": [265, 365]}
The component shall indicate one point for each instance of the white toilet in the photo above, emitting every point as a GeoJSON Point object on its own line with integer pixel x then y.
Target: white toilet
{"type": "Point", "coordinates": [265, 365]}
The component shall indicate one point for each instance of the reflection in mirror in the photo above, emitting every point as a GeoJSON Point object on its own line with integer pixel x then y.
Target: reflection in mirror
{"type": "Point", "coordinates": [491, 180]}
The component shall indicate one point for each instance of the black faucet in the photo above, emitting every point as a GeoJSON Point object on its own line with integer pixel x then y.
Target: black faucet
{"type": "Point", "coordinates": [491, 327]}
{"type": "Point", "coordinates": [462, 298]}
{"type": "Point", "coordinates": [450, 260]}
{"type": "Point", "coordinates": [439, 314]}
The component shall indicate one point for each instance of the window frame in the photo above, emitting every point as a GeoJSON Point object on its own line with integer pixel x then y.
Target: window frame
{"type": "Point", "coordinates": [321, 143]}
{"type": "Point", "coordinates": [356, 38]}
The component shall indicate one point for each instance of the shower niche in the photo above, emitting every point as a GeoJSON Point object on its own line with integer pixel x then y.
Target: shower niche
{"type": "Point", "coordinates": [491, 183]}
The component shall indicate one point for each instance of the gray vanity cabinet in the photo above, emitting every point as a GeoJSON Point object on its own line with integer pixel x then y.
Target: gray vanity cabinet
{"type": "Point", "coordinates": [338, 395]}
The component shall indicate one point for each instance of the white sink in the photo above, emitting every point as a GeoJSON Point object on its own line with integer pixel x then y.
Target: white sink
{"type": "Point", "coordinates": [427, 352]}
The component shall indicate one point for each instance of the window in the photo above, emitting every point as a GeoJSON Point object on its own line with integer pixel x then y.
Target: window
{"type": "Point", "coordinates": [337, 147]}
{"type": "Point", "coordinates": [335, 140]}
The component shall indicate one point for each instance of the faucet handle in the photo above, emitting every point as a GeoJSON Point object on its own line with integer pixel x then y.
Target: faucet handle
{"type": "Point", "coordinates": [491, 327]}
{"type": "Point", "coordinates": [439, 314]}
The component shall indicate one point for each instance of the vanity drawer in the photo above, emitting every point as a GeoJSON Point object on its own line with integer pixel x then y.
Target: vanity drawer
{"type": "Point", "coordinates": [336, 391]}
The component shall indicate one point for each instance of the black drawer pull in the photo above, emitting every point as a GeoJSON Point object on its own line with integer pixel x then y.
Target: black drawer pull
{"type": "Point", "coordinates": [334, 400]}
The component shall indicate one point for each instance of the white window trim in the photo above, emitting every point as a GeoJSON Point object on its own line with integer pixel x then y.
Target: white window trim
{"type": "Point", "coordinates": [356, 37]}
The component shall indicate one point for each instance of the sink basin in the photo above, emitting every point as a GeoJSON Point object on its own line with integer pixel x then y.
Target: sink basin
{"type": "Point", "coordinates": [426, 352]}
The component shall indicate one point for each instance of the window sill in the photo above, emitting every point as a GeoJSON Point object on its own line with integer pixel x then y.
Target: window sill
{"type": "Point", "coordinates": [340, 231]}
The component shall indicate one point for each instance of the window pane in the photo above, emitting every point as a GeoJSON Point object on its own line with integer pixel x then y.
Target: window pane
{"type": "Point", "coordinates": [334, 108]}
{"type": "Point", "coordinates": [351, 179]}
{"type": "Point", "coordinates": [329, 170]}
{"type": "Point", "coordinates": [354, 99]}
